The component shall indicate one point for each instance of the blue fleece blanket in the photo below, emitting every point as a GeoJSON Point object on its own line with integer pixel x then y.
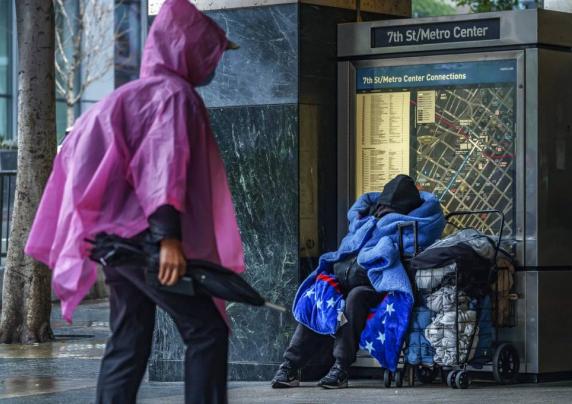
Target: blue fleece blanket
{"type": "Point", "coordinates": [484, 351]}
{"type": "Point", "coordinates": [419, 350]}
{"type": "Point", "coordinates": [319, 303]}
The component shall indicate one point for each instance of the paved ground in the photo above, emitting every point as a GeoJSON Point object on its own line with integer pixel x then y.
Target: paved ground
{"type": "Point", "coordinates": [76, 390]}
{"type": "Point", "coordinates": [65, 371]}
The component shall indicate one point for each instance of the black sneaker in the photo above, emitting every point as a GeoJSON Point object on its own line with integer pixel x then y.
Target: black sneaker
{"type": "Point", "coordinates": [286, 376]}
{"type": "Point", "coordinates": [337, 378]}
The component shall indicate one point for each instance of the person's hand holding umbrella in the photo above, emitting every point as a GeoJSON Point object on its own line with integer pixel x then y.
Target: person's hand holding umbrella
{"type": "Point", "coordinates": [172, 262]}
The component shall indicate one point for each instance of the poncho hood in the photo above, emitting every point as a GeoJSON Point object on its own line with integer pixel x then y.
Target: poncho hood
{"type": "Point", "coordinates": [183, 41]}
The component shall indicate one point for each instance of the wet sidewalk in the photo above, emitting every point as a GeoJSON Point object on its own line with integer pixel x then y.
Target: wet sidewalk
{"type": "Point", "coordinates": [362, 391]}
{"type": "Point", "coordinates": [31, 372]}
{"type": "Point", "coordinates": [65, 371]}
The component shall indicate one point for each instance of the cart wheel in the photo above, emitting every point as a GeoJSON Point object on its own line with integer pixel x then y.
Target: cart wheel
{"type": "Point", "coordinates": [387, 378]}
{"type": "Point", "coordinates": [451, 379]}
{"type": "Point", "coordinates": [463, 379]}
{"type": "Point", "coordinates": [398, 378]}
{"type": "Point", "coordinates": [425, 375]}
{"type": "Point", "coordinates": [506, 364]}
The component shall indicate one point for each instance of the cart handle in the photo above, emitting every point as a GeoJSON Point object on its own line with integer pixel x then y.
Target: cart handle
{"type": "Point", "coordinates": [400, 227]}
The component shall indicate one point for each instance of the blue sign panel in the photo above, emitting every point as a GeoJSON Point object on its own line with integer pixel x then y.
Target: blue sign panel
{"type": "Point", "coordinates": [441, 32]}
{"type": "Point", "coordinates": [436, 75]}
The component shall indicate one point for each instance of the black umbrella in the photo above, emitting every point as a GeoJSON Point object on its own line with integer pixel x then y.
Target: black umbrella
{"type": "Point", "coordinates": [202, 277]}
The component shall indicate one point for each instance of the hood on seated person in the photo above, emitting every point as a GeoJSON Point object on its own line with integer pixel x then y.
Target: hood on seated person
{"type": "Point", "coordinates": [400, 195]}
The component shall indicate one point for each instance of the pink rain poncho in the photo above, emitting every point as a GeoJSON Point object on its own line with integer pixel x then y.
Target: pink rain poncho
{"type": "Point", "coordinates": [147, 144]}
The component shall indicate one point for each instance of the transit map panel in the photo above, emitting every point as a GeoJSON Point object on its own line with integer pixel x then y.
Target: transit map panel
{"type": "Point", "coordinates": [449, 125]}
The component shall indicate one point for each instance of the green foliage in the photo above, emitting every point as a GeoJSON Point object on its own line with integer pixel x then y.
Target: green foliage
{"type": "Point", "coordinates": [483, 6]}
{"type": "Point", "coordinates": [431, 8]}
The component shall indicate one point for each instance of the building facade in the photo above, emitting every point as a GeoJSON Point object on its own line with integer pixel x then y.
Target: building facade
{"type": "Point", "coordinates": [130, 20]}
{"type": "Point", "coordinates": [7, 71]}
{"type": "Point", "coordinates": [117, 59]}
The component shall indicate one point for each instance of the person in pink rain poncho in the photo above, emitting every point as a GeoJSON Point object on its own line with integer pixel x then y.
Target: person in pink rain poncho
{"type": "Point", "coordinates": [143, 161]}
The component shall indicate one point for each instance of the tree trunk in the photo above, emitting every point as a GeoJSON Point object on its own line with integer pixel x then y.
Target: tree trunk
{"type": "Point", "coordinates": [70, 115]}
{"type": "Point", "coordinates": [26, 294]}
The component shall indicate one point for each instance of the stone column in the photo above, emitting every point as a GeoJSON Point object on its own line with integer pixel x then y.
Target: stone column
{"type": "Point", "coordinates": [273, 110]}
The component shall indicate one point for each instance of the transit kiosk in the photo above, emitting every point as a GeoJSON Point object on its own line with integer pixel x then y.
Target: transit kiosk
{"type": "Point", "coordinates": [478, 109]}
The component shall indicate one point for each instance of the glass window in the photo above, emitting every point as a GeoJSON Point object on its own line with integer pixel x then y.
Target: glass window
{"type": "Point", "coordinates": [128, 42]}
{"type": "Point", "coordinates": [5, 115]}
{"type": "Point", "coordinates": [5, 69]}
{"type": "Point", "coordinates": [5, 45]}
{"type": "Point", "coordinates": [61, 118]}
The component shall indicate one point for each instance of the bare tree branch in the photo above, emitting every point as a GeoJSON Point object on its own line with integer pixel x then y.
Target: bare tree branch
{"type": "Point", "coordinates": [59, 86]}
{"type": "Point", "coordinates": [85, 38]}
{"type": "Point", "coordinates": [61, 8]}
{"type": "Point", "coordinates": [60, 47]}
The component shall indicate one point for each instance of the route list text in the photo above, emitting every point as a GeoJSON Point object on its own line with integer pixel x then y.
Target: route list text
{"type": "Point", "coordinates": [382, 144]}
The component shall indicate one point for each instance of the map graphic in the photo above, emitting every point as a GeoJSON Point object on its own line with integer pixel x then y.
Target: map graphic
{"type": "Point", "coordinates": [466, 156]}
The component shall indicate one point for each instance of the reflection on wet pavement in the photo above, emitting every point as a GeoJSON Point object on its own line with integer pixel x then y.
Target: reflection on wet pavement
{"type": "Point", "coordinates": [82, 341]}
{"type": "Point", "coordinates": [12, 387]}
{"type": "Point", "coordinates": [68, 363]}
{"type": "Point", "coordinates": [81, 348]}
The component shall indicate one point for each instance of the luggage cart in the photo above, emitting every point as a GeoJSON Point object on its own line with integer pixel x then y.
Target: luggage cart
{"type": "Point", "coordinates": [399, 376]}
{"type": "Point", "coordinates": [364, 357]}
{"type": "Point", "coordinates": [463, 333]}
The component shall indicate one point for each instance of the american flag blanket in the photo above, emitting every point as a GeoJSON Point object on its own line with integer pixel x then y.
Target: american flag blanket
{"type": "Point", "coordinates": [385, 329]}
{"type": "Point", "coordinates": [322, 306]}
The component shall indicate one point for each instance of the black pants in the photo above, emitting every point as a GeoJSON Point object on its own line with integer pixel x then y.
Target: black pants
{"type": "Point", "coordinates": [306, 343]}
{"type": "Point", "coordinates": [132, 318]}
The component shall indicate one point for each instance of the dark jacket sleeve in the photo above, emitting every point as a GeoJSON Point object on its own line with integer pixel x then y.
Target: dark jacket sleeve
{"type": "Point", "coordinates": [165, 223]}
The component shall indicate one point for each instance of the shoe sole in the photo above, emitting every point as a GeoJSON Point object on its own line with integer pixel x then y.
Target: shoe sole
{"type": "Point", "coordinates": [285, 385]}
{"type": "Point", "coordinates": [341, 386]}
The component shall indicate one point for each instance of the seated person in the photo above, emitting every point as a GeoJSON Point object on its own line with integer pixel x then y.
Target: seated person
{"type": "Point", "coordinates": [337, 299]}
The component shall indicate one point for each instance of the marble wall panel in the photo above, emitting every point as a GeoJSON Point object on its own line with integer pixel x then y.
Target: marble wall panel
{"type": "Point", "coordinates": [259, 145]}
{"type": "Point", "coordinates": [265, 68]}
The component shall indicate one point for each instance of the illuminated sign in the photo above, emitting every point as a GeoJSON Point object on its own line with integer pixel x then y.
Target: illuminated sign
{"type": "Point", "coordinates": [443, 32]}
